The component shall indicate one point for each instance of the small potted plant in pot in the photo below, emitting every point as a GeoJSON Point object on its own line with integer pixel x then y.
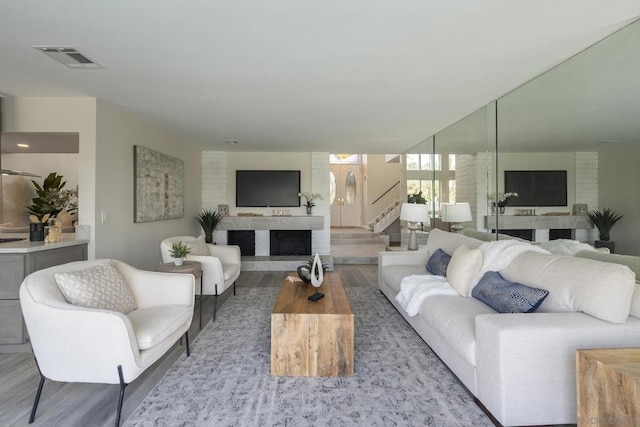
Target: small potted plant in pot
{"type": "Point", "coordinates": [604, 220]}
{"type": "Point", "coordinates": [179, 251]}
{"type": "Point", "coordinates": [208, 220]}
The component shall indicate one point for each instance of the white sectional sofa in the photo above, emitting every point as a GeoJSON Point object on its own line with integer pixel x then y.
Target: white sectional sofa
{"type": "Point", "coordinates": [521, 366]}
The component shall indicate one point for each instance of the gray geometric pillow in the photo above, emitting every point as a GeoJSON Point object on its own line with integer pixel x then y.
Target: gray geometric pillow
{"type": "Point", "coordinates": [198, 247]}
{"type": "Point", "coordinates": [507, 297]}
{"type": "Point", "coordinates": [101, 287]}
{"type": "Point", "coordinates": [438, 263]}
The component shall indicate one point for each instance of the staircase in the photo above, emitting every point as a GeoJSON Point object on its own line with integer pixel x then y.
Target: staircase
{"type": "Point", "coordinates": [357, 245]}
{"type": "Point", "coordinates": [385, 218]}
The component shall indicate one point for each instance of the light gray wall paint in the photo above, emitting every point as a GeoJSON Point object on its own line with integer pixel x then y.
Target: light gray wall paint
{"type": "Point", "coordinates": [138, 244]}
{"type": "Point", "coordinates": [620, 190]}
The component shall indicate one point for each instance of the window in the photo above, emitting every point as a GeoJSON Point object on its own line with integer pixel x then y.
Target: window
{"type": "Point", "coordinates": [421, 169]}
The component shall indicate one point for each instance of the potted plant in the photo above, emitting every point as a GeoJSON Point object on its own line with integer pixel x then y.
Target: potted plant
{"type": "Point", "coordinates": [604, 220]}
{"type": "Point", "coordinates": [501, 200]}
{"type": "Point", "coordinates": [418, 198]}
{"type": "Point", "coordinates": [51, 198]}
{"type": "Point", "coordinates": [208, 220]}
{"type": "Point", "coordinates": [310, 197]}
{"type": "Point", "coordinates": [179, 251]}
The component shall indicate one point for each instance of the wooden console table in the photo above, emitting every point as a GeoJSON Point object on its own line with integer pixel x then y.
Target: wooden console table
{"type": "Point", "coordinates": [608, 387]}
{"type": "Point", "coordinates": [312, 338]}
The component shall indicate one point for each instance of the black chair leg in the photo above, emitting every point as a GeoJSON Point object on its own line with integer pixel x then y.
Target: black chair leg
{"type": "Point", "coordinates": [123, 385]}
{"type": "Point", "coordinates": [215, 302]}
{"type": "Point", "coordinates": [38, 393]}
{"type": "Point", "coordinates": [234, 289]}
{"type": "Point", "coordinates": [186, 340]}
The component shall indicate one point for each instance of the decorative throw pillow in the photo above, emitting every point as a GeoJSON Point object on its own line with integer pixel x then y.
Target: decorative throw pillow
{"type": "Point", "coordinates": [100, 287]}
{"type": "Point", "coordinates": [438, 263]}
{"type": "Point", "coordinates": [198, 247]}
{"type": "Point", "coordinates": [507, 297]}
{"type": "Point", "coordinates": [464, 266]}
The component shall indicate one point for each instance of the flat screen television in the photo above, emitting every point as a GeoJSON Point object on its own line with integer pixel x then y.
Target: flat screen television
{"type": "Point", "coordinates": [536, 188]}
{"type": "Point", "coordinates": [267, 188]}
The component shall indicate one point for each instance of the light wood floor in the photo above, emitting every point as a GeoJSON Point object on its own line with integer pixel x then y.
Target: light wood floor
{"type": "Point", "coordinates": [80, 404]}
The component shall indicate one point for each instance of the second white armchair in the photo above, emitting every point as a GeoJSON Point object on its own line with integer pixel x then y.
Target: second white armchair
{"type": "Point", "coordinates": [220, 267]}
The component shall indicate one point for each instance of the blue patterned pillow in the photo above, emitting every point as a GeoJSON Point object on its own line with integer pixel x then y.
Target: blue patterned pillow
{"type": "Point", "coordinates": [438, 263]}
{"type": "Point", "coordinates": [507, 297]}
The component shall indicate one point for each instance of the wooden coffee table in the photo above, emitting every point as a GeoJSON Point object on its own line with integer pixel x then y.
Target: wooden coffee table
{"type": "Point", "coordinates": [312, 338]}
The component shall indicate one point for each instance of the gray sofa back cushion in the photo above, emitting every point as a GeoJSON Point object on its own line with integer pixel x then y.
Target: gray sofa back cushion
{"type": "Point", "coordinates": [449, 242]}
{"type": "Point", "coordinates": [601, 289]}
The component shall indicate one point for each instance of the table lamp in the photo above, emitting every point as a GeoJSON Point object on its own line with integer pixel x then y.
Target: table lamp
{"type": "Point", "coordinates": [413, 213]}
{"type": "Point", "coordinates": [455, 213]}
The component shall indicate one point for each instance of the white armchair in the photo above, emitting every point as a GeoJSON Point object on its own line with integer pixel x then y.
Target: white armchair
{"type": "Point", "coordinates": [72, 343]}
{"type": "Point", "coordinates": [220, 268]}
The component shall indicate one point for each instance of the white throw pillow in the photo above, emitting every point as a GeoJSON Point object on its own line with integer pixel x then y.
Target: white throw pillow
{"type": "Point", "coordinates": [198, 247]}
{"type": "Point", "coordinates": [464, 266]}
{"type": "Point", "coordinates": [101, 287]}
{"type": "Point", "coordinates": [449, 242]}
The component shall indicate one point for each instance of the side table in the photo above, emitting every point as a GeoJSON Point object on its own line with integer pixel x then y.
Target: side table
{"type": "Point", "coordinates": [608, 387]}
{"type": "Point", "coordinates": [188, 267]}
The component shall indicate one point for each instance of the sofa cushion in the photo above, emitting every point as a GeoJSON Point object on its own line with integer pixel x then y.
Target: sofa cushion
{"type": "Point", "coordinates": [155, 324]}
{"type": "Point", "coordinates": [393, 274]}
{"type": "Point", "coordinates": [101, 286]}
{"type": "Point", "coordinates": [438, 262]}
{"type": "Point", "coordinates": [635, 302]}
{"type": "Point", "coordinates": [507, 297]}
{"type": "Point", "coordinates": [454, 318]}
{"type": "Point", "coordinates": [600, 289]}
{"type": "Point", "coordinates": [464, 266]}
{"type": "Point", "coordinates": [449, 242]}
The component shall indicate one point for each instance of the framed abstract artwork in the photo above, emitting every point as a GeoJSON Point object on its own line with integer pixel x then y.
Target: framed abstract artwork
{"type": "Point", "coordinates": [159, 186]}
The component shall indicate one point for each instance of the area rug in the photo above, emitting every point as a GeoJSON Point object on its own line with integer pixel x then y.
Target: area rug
{"type": "Point", "coordinates": [398, 380]}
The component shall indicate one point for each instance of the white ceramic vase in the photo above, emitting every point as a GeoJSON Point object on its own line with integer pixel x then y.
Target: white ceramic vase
{"type": "Point", "coordinates": [178, 261]}
{"type": "Point", "coordinates": [317, 275]}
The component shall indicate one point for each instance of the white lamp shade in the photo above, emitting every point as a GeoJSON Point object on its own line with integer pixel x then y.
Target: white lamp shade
{"type": "Point", "coordinates": [414, 212]}
{"type": "Point", "coordinates": [456, 212]}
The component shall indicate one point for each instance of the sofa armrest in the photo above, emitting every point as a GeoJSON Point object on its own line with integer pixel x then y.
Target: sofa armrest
{"type": "Point", "coordinates": [152, 289]}
{"type": "Point", "coordinates": [525, 363]}
{"type": "Point", "coordinates": [228, 254]}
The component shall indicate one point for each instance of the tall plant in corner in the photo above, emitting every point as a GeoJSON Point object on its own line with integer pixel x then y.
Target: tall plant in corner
{"type": "Point", "coordinates": [208, 220]}
{"type": "Point", "coordinates": [604, 220]}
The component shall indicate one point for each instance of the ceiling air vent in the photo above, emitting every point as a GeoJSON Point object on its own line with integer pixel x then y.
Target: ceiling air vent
{"type": "Point", "coordinates": [70, 57]}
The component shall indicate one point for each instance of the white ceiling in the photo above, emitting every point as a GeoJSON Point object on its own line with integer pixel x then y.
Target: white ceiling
{"type": "Point", "coordinates": [296, 75]}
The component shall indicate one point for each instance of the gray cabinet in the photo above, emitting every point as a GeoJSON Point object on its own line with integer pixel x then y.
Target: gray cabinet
{"type": "Point", "coordinates": [14, 267]}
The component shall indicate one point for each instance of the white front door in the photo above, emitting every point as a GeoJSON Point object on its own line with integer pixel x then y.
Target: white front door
{"type": "Point", "coordinates": [345, 186]}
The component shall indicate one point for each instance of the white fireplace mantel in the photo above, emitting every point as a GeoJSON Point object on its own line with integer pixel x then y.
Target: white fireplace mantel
{"type": "Point", "coordinates": [306, 222]}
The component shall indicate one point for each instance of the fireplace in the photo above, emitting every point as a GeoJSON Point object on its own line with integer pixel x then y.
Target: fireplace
{"type": "Point", "coordinates": [246, 239]}
{"type": "Point", "coordinates": [290, 242]}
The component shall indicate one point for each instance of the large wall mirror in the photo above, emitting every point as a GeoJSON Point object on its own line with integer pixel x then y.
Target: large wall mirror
{"type": "Point", "coordinates": [579, 119]}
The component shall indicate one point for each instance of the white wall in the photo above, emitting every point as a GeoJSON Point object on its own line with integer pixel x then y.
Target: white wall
{"type": "Point", "coordinates": [108, 133]}
{"type": "Point", "coordinates": [619, 182]}
{"type": "Point", "coordinates": [219, 184]}
{"type": "Point", "coordinates": [138, 244]}
{"type": "Point", "coordinates": [379, 176]}
{"type": "Point", "coordinates": [37, 114]}
{"type": "Point", "coordinates": [18, 190]}
{"type": "Point", "coordinates": [539, 161]}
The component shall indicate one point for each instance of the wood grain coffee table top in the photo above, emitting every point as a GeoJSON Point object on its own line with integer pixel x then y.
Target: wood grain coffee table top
{"type": "Point", "coordinates": [312, 338]}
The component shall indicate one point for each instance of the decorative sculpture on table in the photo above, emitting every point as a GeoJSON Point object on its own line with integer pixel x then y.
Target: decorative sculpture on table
{"type": "Point", "coordinates": [317, 275]}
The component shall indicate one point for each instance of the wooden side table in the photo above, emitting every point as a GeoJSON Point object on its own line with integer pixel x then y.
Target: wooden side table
{"type": "Point", "coordinates": [188, 267]}
{"type": "Point", "coordinates": [608, 387]}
